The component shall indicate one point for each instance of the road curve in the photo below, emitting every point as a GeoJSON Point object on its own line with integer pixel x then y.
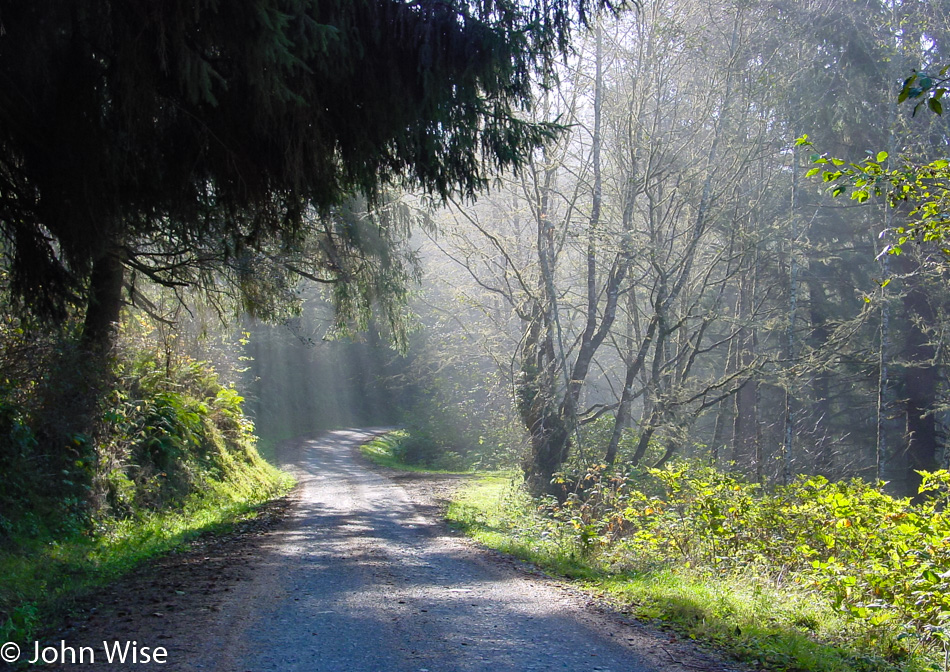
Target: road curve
{"type": "Point", "coordinates": [357, 580]}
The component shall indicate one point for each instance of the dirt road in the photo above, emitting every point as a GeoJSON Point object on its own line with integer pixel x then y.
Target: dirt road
{"type": "Point", "coordinates": [357, 578]}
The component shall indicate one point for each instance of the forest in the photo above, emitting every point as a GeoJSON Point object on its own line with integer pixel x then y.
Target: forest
{"type": "Point", "coordinates": [673, 278]}
{"type": "Point", "coordinates": [679, 267]}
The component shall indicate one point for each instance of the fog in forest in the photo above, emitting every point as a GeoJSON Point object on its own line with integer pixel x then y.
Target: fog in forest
{"type": "Point", "coordinates": [667, 279]}
{"type": "Point", "coordinates": [664, 284]}
{"type": "Point", "coordinates": [298, 380]}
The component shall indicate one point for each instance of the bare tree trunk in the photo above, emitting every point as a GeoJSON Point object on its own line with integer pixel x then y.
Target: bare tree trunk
{"type": "Point", "coordinates": [719, 431]}
{"type": "Point", "coordinates": [548, 432]}
{"type": "Point", "coordinates": [634, 365]}
{"type": "Point", "coordinates": [549, 424]}
{"type": "Point", "coordinates": [889, 456]}
{"type": "Point", "coordinates": [746, 419]}
{"type": "Point", "coordinates": [788, 421]}
{"type": "Point", "coordinates": [551, 428]}
{"type": "Point", "coordinates": [919, 382]}
{"type": "Point", "coordinates": [886, 457]}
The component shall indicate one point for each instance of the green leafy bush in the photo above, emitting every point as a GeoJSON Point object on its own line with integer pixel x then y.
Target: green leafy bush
{"type": "Point", "coordinates": [21, 624]}
{"type": "Point", "coordinates": [47, 467]}
{"type": "Point", "coordinates": [167, 429]}
{"type": "Point", "coordinates": [169, 452]}
{"type": "Point", "coordinates": [879, 560]}
{"type": "Point", "coordinates": [400, 449]}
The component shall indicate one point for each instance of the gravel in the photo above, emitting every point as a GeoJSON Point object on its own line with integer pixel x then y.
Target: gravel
{"type": "Point", "coordinates": [361, 574]}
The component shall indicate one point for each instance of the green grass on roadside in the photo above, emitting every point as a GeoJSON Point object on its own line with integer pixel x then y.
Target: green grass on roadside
{"type": "Point", "coordinates": [494, 513]}
{"type": "Point", "coordinates": [41, 577]}
{"type": "Point", "coordinates": [770, 622]}
{"type": "Point", "coordinates": [267, 445]}
{"type": "Point", "coordinates": [383, 450]}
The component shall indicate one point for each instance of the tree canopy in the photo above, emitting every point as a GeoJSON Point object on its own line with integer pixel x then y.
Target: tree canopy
{"type": "Point", "coordinates": [171, 136]}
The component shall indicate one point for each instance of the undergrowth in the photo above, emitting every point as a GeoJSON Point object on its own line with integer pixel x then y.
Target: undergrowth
{"type": "Point", "coordinates": [40, 579]}
{"type": "Point", "coordinates": [399, 449]}
{"type": "Point", "coordinates": [814, 576]}
{"type": "Point", "coordinates": [169, 455]}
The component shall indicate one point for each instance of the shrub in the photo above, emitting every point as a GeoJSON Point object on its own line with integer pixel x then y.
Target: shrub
{"type": "Point", "coordinates": [879, 559]}
{"type": "Point", "coordinates": [421, 449]}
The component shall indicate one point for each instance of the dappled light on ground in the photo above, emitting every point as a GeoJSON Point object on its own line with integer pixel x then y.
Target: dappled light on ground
{"type": "Point", "coordinates": [359, 580]}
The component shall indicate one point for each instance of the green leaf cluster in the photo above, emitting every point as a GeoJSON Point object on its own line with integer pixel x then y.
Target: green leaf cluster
{"type": "Point", "coordinates": [171, 453]}
{"type": "Point", "coordinates": [925, 88]}
{"type": "Point", "coordinates": [166, 431]}
{"type": "Point", "coordinates": [166, 427]}
{"type": "Point", "coordinates": [921, 191]}
{"type": "Point", "coordinates": [880, 560]}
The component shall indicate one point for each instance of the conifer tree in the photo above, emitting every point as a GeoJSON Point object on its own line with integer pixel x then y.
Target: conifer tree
{"type": "Point", "coordinates": [175, 138]}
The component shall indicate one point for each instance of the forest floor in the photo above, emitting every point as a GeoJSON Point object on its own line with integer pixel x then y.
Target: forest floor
{"type": "Point", "coordinates": [356, 570]}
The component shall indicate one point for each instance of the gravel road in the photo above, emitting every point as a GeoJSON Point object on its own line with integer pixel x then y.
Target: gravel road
{"type": "Point", "coordinates": [360, 581]}
{"type": "Point", "coordinates": [359, 573]}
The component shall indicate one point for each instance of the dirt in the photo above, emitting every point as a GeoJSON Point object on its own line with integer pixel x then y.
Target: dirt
{"type": "Point", "coordinates": [357, 570]}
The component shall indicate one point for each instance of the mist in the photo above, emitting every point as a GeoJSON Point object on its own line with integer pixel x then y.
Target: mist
{"type": "Point", "coordinates": [300, 379]}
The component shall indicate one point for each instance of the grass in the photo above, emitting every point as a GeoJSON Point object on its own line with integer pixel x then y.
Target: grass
{"type": "Point", "coordinates": [41, 577]}
{"type": "Point", "coordinates": [776, 624]}
{"type": "Point", "coordinates": [383, 450]}
{"type": "Point", "coordinates": [267, 445]}
{"type": "Point", "coordinates": [492, 512]}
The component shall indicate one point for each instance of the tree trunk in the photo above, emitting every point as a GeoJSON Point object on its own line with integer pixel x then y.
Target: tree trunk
{"type": "Point", "coordinates": [646, 433]}
{"type": "Point", "coordinates": [919, 382]}
{"type": "Point", "coordinates": [550, 443]}
{"type": "Point", "coordinates": [549, 429]}
{"type": "Point", "coordinates": [68, 415]}
{"type": "Point", "coordinates": [788, 415]}
{"type": "Point", "coordinates": [746, 419]}
{"type": "Point", "coordinates": [101, 324]}
{"type": "Point", "coordinates": [634, 366]}
{"type": "Point", "coordinates": [890, 456]}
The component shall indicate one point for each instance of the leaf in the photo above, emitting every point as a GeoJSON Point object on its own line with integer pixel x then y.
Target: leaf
{"type": "Point", "coordinates": [935, 106]}
{"type": "Point", "coordinates": [858, 611]}
{"type": "Point", "coordinates": [880, 619]}
{"type": "Point", "coordinates": [881, 156]}
{"type": "Point", "coordinates": [813, 172]}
